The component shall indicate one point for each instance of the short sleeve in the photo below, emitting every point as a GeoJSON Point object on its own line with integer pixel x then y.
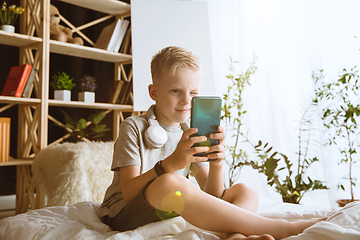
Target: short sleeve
{"type": "Point", "coordinates": [126, 147]}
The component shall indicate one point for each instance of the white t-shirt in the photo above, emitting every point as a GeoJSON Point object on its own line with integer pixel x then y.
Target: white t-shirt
{"type": "Point", "coordinates": [131, 149]}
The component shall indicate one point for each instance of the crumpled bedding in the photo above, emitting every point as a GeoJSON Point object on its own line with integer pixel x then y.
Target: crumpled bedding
{"type": "Point", "coordinates": [81, 221]}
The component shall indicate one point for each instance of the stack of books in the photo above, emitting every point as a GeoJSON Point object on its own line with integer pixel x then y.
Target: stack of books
{"type": "Point", "coordinates": [19, 81]}
{"type": "Point", "coordinates": [112, 36]}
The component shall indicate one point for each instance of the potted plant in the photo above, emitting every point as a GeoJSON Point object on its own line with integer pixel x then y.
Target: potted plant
{"type": "Point", "coordinates": [232, 99]}
{"type": "Point", "coordinates": [62, 85]}
{"type": "Point", "coordinates": [85, 128]}
{"type": "Point", "coordinates": [340, 114]}
{"type": "Point", "coordinates": [87, 89]}
{"type": "Point", "coordinates": [292, 187]}
{"type": "Point", "coordinates": [8, 16]}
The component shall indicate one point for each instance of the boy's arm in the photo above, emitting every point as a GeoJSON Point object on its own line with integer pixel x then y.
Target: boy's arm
{"type": "Point", "coordinates": [132, 182]}
{"type": "Point", "coordinates": [184, 153]}
{"type": "Point", "coordinates": [211, 179]}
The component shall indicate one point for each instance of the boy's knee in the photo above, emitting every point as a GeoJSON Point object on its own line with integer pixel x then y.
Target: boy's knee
{"type": "Point", "coordinates": [171, 179]}
{"type": "Point", "coordinates": [169, 182]}
{"type": "Point", "coordinates": [164, 193]}
{"type": "Point", "coordinates": [242, 188]}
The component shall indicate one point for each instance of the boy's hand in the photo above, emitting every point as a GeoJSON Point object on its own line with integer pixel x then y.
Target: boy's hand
{"type": "Point", "coordinates": [220, 149]}
{"type": "Point", "coordinates": [184, 153]}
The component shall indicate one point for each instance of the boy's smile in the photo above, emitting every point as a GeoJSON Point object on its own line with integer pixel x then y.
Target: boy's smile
{"type": "Point", "coordinates": [173, 95]}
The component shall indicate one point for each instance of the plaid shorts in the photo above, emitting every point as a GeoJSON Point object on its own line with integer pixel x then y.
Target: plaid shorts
{"type": "Point", "coordinates": [137, 213]}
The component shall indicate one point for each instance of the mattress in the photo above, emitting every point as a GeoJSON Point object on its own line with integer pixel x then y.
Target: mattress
{"type": "Point", "coordinates": [81, 221]}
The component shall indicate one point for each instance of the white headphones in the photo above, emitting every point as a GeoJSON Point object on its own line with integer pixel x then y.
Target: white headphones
{"type": "Point", "coordinates": [155, 135]}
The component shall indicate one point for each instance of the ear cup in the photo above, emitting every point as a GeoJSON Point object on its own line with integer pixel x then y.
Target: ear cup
{"type": "Point", "coordinates": [155, 135]}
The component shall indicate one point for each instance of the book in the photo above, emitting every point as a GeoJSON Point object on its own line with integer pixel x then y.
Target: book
{"type": "Point", "coordinates": [121, 35]}
{"type": "Point", "coordinates": [124, 93]}
{"type": "Point", "coordinates": [108, 36]}
{"type": "Point", "coordinates": [115, 91]}
{"type": "Point", "coordinates": [16, 80]}
{"type": "Point", "coordinates": [29, 84]}
{"type": "Point", "coordinates": [126, 44]}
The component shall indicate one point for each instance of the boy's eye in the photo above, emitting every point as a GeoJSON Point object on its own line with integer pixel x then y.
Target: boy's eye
{"type": "Point", "coordinates": [175, 91]}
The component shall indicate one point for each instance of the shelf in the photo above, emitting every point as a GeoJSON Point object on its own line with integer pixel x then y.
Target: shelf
{"type": "Point", "coordinates": [113, 7]}
{"type": "Point", "coordinates": [33, 113]}
{"type": "Point", "coordinates": [88, 52]}
{"type": "Point", "coordinates": [77, 104]}
{"type": "Point", "coordinates": [17, 100]}
{"type": "Point", "coordinates": [16, 162]}
{"type": "Point", "coordinates": [18, 40]}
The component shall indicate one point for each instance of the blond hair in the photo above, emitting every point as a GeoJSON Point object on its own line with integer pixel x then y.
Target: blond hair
{"type": "Point", "coordinates": [169, 59]}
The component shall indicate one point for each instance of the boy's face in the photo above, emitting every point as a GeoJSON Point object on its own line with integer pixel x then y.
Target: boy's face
{"type": "Point", "coordinates": [173, 95]}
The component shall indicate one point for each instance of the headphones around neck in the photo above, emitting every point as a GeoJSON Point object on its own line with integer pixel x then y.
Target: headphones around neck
{"type": "Point", "coordinates": [155, 135]}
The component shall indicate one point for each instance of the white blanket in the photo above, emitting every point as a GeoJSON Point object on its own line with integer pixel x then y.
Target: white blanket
{"type": "Point", "coordinates": [81, 221]}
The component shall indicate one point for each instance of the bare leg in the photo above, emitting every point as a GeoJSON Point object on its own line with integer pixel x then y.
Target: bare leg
{"type": "Point", "coordinates": [242, 196]}
{"type": "Point", "coordinates": [237, 236]}
{"type": "Point", "coordinates": [171, 192]}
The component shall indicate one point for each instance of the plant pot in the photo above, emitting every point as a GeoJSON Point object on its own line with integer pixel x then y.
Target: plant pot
{"type": "Point", "coordinates": [8, 28]}
{"type": "Point", "coordinates": [64, 95]}
{"type": "Point", "coordinates": [88, 97]}
{"type": "Point", "coordinates": [293, 199]}
{"type": "Point", "coordinates": [4, 139]}
{"type": "Point", "coordinates": [343, 202]}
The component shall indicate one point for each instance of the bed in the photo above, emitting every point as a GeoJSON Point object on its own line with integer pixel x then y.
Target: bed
{"type": "Point", "coordinates": [81, 221]}
{"type": "Point", "coordinates": [74, 177]}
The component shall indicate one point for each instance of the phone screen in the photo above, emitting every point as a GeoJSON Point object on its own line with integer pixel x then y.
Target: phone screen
{"type": "Point", "coordinates": [205, 116]}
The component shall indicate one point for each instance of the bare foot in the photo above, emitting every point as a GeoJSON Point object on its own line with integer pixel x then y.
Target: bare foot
{"type": "Point", "coordinates": [300, 226]}
{"type": "Point", "coordinates": [291, 228]}
{"type": "Point", "coordinates": [236, 236]}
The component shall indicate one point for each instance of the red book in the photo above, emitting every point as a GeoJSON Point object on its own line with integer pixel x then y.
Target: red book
{"type": "Point", "coordinates": [16, 80]}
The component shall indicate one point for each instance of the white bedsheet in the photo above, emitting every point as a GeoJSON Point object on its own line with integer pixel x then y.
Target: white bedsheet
{"type": "Point", "coordinates": [81, 221]}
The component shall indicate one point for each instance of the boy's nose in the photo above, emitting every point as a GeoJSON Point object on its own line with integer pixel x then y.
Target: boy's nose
{"type": "Point", "coordinates": [187, 99]}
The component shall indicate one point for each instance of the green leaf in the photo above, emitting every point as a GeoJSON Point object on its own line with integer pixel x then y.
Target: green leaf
{"type": "Point", "coordinates": [70, 126]}
{"type": "Point", "coordinates": [81, 124]}
{"type": "Point", "coordinates": [70, 122]}
{"type": "Point", "coordinates": [96, 118]}
{"type": "Point", "coordinates": [267, 151]}
{"type": "Point", "coordinates": [99, 128]}
{"type": "Point", "coordinates": [259, 144]}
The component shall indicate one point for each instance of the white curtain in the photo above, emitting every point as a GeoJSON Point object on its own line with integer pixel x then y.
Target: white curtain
{"type": "Point", "coordinates": [291, 40]}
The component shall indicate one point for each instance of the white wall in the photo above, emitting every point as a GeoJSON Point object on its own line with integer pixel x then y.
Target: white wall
{"type": "Point", "coordinates": [291, 39]}
{"type": "Point", "coordinates": [160, 23]}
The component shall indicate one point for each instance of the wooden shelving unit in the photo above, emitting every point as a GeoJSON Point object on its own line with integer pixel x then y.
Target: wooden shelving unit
{"type": "Point", "coordinates": [76, 104]}
{"type": "Point", "coordinates": [16, 100]}
{"type": "Point", "coordinates": [112, 7]}
{"type": "Point", "coordinates": [33, 114]}
{"type": "Point", "coordinates": [18, 40]}
{"type": "Point", "coordinates": [88, 52]}
{"type": "Point", "coordinates": [17, 162]}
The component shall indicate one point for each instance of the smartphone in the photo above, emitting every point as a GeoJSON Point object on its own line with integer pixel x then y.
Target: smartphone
{"type": "Point", "coordinates": [205, 116]}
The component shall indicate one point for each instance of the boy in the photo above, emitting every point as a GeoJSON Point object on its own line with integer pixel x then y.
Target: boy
{"type": "Point", "coordinates": [145, 187]}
